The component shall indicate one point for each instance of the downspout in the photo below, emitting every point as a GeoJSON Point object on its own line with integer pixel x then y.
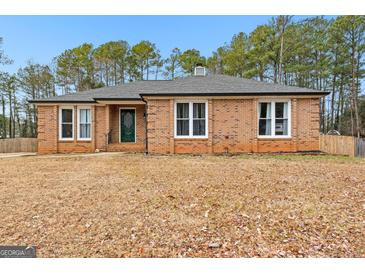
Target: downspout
{"type": "Point", "coordinates": [145, 125]}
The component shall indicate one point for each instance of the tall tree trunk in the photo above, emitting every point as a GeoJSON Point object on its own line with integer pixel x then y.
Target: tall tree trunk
{"type": "Point", "coordinates": [281, 54]}
{"type": "Point", "coordinates": [115, 74]}
{"type": "Point", "coordinates": [122, 74]}
{"type": "Point", "coordinates": [4, 117]}
{"type": "Point", "coordinates": [339, 106]}
{"type": "Point", "coordinates": [275, 72]}
{"type": "Point", "coordinates": [354, 91]}
{"type": "Point", "coordinates": [333, 97]}
{"type": "Point", "coordinates": [107, 74]}
{"type": "Point", "coordinates": [148, 68]}
{"type": "Point", "coordinates": [10, 115]}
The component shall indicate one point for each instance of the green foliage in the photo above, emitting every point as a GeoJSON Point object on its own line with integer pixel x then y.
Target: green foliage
{"type": "Point", "coordinates": [173, 64]}
{"type": "Point", "coordinates": [189, 59]}
{"type": "Point", "coordinates": [111, 60]}
{"type": "Point", "coordinates": [4, 60]}
{"type": "Point", "coordinates": [143, 55]}
{"type": "Point", "coordinates": [75, 68]}
{"type": "Point", "coordinates": [236, 55]}
{"type": "Point", "coordinates": [260, 52]}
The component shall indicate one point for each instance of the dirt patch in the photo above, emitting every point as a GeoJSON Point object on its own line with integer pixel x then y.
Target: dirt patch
{"type": "Point", "coordinates": [182, 206]}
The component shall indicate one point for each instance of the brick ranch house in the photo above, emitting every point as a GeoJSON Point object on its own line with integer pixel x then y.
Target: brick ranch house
{"type": "Point", "coordinates": [197, 114]}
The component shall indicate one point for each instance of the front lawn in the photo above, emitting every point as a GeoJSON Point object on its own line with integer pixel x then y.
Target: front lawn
{"type": "Point", "coordinates": [184, 206]}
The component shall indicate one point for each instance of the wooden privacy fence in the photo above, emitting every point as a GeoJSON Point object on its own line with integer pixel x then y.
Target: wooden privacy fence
{"type": "Point", "coordinates": [342, 145]}
{"type": "Point", "coordinates": [360, 147]}
{"type": "Point", "coordinates": [18, 145]}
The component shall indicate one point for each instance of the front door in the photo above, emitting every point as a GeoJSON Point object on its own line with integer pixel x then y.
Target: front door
{"type": "Point", "coordinates": [127, 125]}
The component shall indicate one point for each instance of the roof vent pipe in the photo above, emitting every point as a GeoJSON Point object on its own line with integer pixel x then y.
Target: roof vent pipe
{"type": "Point", "coordinates": [199, 71]}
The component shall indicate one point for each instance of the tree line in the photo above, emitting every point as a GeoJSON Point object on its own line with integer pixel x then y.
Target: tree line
{"type": "Point", "coordinates": [317, 53]}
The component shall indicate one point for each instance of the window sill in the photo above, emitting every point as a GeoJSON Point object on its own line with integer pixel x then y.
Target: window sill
{"type": "Point", "coordinates": [84, 140]}
{"type": "Point", "coordinates": [65, 140]}
{"type": "Point", "coordinates": [276, 138]}
{"type": "Point", "coordinates": [71, 141]}
{"type": "Point", "coordinates": [191, 138]}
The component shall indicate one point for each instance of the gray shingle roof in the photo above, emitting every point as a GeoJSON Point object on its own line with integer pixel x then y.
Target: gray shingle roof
{"type": "Point", "coordinates": [198, 86]}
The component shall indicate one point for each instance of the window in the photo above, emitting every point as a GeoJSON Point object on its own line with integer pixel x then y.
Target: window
{"type": "Point", "coordinates": [265, 119]}
{"type": "Point", "coordinates": [191, 119]}
{"type": "Point", "coordinates": [274, 119]}
{"type": "Point", "coordinates": [84, 124]}
{"type": "Point", "coordinates": [198, 119]}
{"type": "Point", "coordinates": [66, 123]}
{"type": "Point", "coordinates": [182, 119]}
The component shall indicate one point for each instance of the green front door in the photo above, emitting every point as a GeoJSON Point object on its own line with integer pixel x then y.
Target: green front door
{"type": "Point", "coordinates": [127, 125]}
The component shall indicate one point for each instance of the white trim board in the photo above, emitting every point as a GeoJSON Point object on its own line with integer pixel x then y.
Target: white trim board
{"type": "Point", "coordinates": [60, 123]}
{"type": "Point", "coordinates": [78, 123]}
{"type": "Point", "coordinates": [191, 136]}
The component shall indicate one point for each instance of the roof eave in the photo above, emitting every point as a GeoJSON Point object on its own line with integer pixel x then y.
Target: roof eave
{"type": "Point", "coordinates": [117, 99]}
{"type": "Point", "coordinates": [60, 102]}
{"type": "Point", "coordinates": [238, 94]}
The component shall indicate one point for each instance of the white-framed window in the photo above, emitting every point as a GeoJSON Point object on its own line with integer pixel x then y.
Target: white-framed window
{"type": "Point", "coordinates": [191, 119]}
{"type": "Point", "coordinates": [66, 123]}
{"type": "Point", "coordinates": [84, 123]}
{"type": "Point", "coordinates": [274, 119]}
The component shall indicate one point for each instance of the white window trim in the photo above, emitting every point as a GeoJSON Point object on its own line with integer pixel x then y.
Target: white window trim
{"type": "Point", "coordinates": [191, 136]}
{"type": "Point", "coordinates": [60, 123]}
{"type": "Point", "coordinates": [135, 126]}
{"type": "Point", "coordinates": [273, 118]}
{"type": "Point", "coordinates": [78, 123]}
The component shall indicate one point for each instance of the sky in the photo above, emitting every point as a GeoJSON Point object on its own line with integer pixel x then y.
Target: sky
{"type": "Point", "coordinates": [41, 38]}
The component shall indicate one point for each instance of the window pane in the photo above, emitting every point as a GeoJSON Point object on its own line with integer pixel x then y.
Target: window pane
{"type": "Point", "coordinates": [281, 110]}
{"type": "Point", "coordinates": [84, 130]}
{"type": "Point", "coordinates": [281, 126]}
{"type": "Point", "coordinates": [66, 115]}
{"type": "Point", "coordinates": [265, 110]}
{"type": "Point", "coordinates": [67, 131]}
{"type": "Point", "coordinates": [84, 116]}
{"type": "Point", "coordinates": [182, 127]}
{"type": "Point", "coordinates": [265, 127]}
{"type": "Point", "coordinates": [182, 110]}
{"type": "Point", "coordinates": [199, 127]}
{"type": "Point", "coordinates": [199, 110]}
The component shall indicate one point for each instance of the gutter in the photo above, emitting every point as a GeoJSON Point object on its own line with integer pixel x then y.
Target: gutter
{"type": "Point", "coordinates": [45, 101]}
{"type": "Point", "coordinates": [60, 102]}
{"type": "Point", "coordinates": [116, 99]}
{"type": "Point", "coordinates": [236, 94]}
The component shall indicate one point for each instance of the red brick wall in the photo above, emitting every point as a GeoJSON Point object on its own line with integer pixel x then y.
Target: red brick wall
{"type": "Point", "coordinates": [47, 129]}
{"type": "Point", "coordinates": [100, 128]}
{"type": "Point", "coordinates": [159, 130]}
{"type": "Point", "coordinates": [233, 128]}
{"type": "Point", "coordinates": [48, 140]}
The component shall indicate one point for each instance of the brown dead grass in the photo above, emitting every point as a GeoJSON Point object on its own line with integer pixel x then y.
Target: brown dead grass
{"type": "Point", "coordinates": [184, 206]}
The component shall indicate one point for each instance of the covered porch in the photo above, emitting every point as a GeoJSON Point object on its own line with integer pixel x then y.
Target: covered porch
{"type": "Point", "coordinates": [125, 126]}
